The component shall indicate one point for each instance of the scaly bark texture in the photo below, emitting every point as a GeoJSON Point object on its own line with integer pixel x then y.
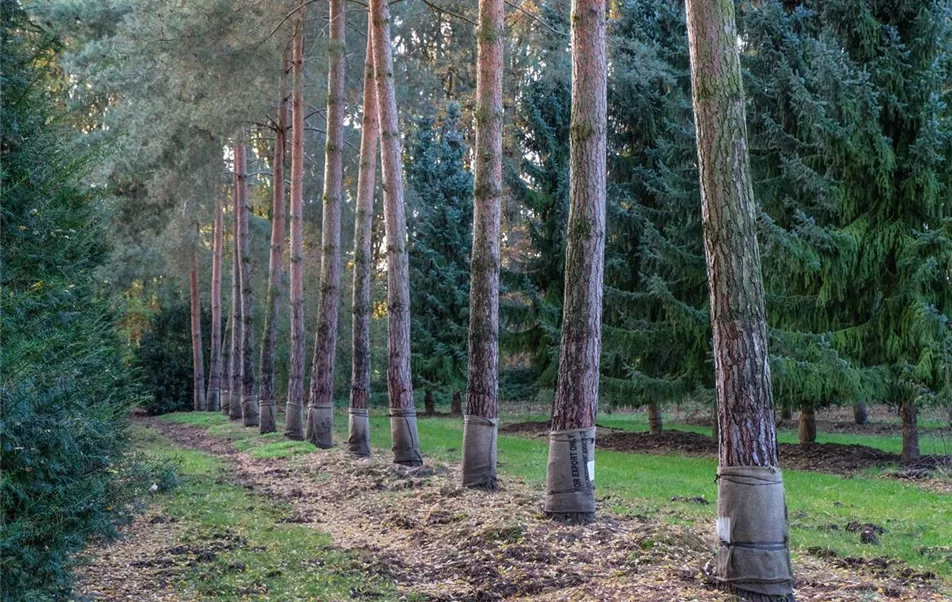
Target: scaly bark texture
{"type": "Point", "coordinates": [576, 393]}
{"type": "Point", "coordinates": [482, 388]}
{"type": "Point", "coordinates": [275, 266]}
{"type": "Point", "coordinates": [745, 397]}
{"type": "Point", "coordinates": [234, 407]}
{"type": "Point", "coordinates": [198, 361]}
{"type": "Point", "coordinates": [576, 389]}
{"type": "Point", "coordinates": [358, 435]}
{"type": "Point", "coordinates": [213, 397]}
{"type": "Point", "coordinates": [363, 230]}
{"type": "Point", "coordinates": [294, 418]}
{"type": "Point", "coordinates": [249, 402]}
{"type": "Point", "coordinates": [399, 384]}
{"type": "Point", "coordinates": [748, 435]}
{"type": "Point", "coordinates": [320, 420]}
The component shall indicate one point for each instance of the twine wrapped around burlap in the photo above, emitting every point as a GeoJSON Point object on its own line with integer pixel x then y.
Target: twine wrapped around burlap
{"type": "Point", "coordinates": [570, 478]}
{"type": "Point", "coordinates": [403, 434]}
{"type": "Point", "coordinates": [358, 428]}
{"type": "Point", "coordinates": [320, 425]}
{"type": "Point", "coordinates": [479, 452]}
{"type": "Point", "coordinates": [754, 555]}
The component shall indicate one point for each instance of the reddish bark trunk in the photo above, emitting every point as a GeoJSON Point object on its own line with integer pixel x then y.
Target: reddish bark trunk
{"type": "Point", "coordinates": [358, 440]}
{"type": "Point", "coordinates": [198, 362]}
{"type": "Point", "coordinates": [751, 506]}
{"type": "Point", "coordinates": [576, 390]}
{"type": "Point", "coordinates": [399, 383]}
{"type": "Point", "coordinates": [275, 266]}
{"type": "Point", "coordinates": [482, 389]}
{"type": "Point", "coordinates": [213, 398]}
{"type": "Point", "coordinates": [363, 228]}
{"type": "Point", "coordinates": [320, 413]}
{"type": "Point", "coordinates": [294, 418]}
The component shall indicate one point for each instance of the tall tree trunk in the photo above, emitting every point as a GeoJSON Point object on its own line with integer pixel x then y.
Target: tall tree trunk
{"type": "Point", "coordinates": [215, 368]}
{"type": "Point", "coordinates": [320, 410]}
{"type": "Point", "coordinates": [249, 402]}
{"type": "Point", "coordinates": [715, 431]}
{"type": "Point", "coordinates": [754, 557]}
{"type": "Point", "coordinates": [234, 406]}
{"type": "Point", "coordinates": [910, 431]}
{"type": "Point", "coordinates": [403, 428]}
{"type": "Point", "coordinates": [358, 440]}
{"type": "Point", "coordinates": [570, 479]}
{"type": "Point", "coordinates": [198, 361]}
{"type": "Point", "coordinates": [294, 417]}
{"type": "Point", "coordinates": [275, 265]}
{"type": "Point", "coordinates": [806, 427]}
{"type": "Point", "coordinates": [482, 390]}
{"type": "Point", "coordinates": [655, 420]}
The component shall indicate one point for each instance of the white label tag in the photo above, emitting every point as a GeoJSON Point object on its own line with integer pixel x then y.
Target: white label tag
{"type": "Point", "coordinates": [591, 470]}
{"type": "Point", "coordinates": [724, 528]}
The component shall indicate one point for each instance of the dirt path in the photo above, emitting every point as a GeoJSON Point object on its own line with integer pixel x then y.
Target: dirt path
{"type": "Point", "coordinates": [439, 542]}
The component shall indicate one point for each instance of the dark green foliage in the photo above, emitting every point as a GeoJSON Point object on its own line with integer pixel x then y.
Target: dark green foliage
{"type": "Point", "coordinates": [657, 330]}
{"type": "Point", "coordinates": [67, 472]}
{"type": "Point", "coordinates": [851, 139]}
{"type": "Point", "coordinates": [532, 311]}
{"type": "Point", "coordinates": [440, 220]}
{"type": "Point", "coordinates": [163, 359]}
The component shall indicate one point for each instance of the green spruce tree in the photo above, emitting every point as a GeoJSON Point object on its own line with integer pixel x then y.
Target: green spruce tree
{"type": "Point", "coordinates": [440, 216]}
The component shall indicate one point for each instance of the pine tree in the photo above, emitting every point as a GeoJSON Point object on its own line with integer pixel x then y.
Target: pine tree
{"type": "Point", "coordinates": [440, 220]}
{"type": "Point", "coordinates": [482, 387]}
{"type": "Point", "coordinates": [249, 399]}
{"type": "Point", "coordinates": [320, 410]}
{"type": "Point", "coordinates": [657, 327]}
{"type": "Point", "coordinates": [403, 429]}
{"type": "Point", "coordinates": [294, 415]}
{"type": "Point", "coordinates": [754, 556]}
{"type": "Point", "coordinates": [570, 474]}
{"type": "Point", "coordinates": [532, 312]}
{"type": "Point", "coordinates": [854, 128]}
{"type": "Point", "coordinates": [276, 273]}
{"type": "Point", "coordinates": [215, 367]}
{"type": "Point", "coordinates": [358, 440]}
{"type": "Point", "coordinates": [198, 352]}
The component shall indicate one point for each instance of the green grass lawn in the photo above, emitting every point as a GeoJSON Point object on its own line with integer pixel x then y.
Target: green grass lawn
{"type": "Point", "coordinates": [918, 523]}
{"type": "Point", "coordinates": [257, 556]}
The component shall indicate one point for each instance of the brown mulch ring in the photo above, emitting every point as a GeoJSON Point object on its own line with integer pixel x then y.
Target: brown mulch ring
{"type": "Point", "coordinates": [832, 458]}
{"type": "Point", "coordinates": [439, 542]}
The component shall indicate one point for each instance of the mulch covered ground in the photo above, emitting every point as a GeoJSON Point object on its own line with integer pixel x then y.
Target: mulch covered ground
{"type": "Point", "coordinates": [439, 542]}
{"type": "Point", "coordinates": [833, 458]}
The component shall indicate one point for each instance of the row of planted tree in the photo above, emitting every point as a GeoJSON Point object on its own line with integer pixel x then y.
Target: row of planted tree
{"type": "Point", "coordinates": [754, 555]}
